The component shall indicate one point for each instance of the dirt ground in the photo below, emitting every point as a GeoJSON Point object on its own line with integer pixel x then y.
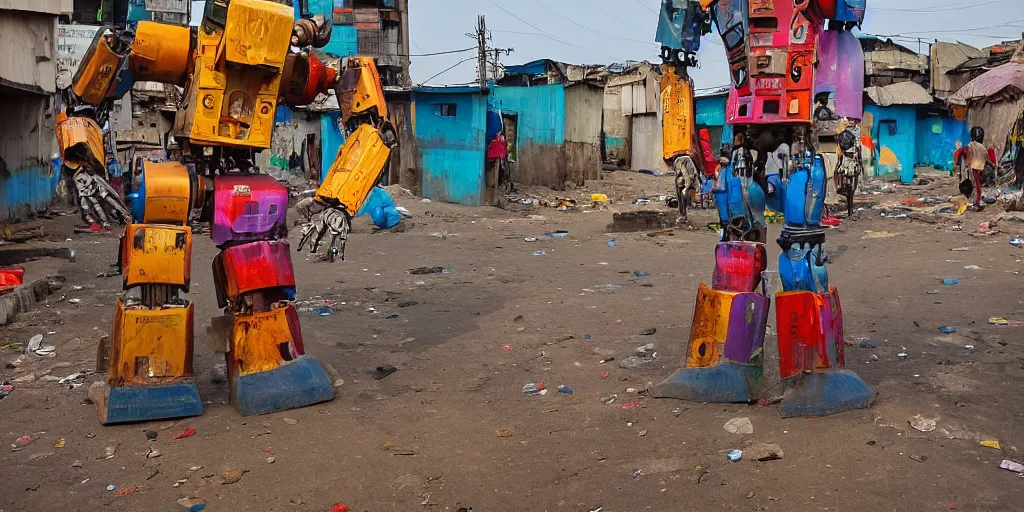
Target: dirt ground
{"type": "Point", "coordinates": [452, 428]}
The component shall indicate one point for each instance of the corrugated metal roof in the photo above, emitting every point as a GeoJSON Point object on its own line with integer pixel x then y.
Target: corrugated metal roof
{"type": "Point", "coordinates": [901, 93]}
{"type": "Point", "coordinates": [1008, 78]}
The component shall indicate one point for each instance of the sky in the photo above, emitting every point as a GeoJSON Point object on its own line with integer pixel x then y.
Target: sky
{"type": "Point", "coordinates": [607, 31]}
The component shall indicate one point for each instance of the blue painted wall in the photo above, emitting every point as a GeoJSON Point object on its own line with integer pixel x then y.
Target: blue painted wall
{"type": "Point", "coordinates": [331, 139]}
{"type": "Point", "coordinates": [451, 147]}
{"type": "Point", "coordinates": [541, 110]}
{"type": "Point", "coordinates": [343, 37]}
{"type": "Point", "coordinates": [937, 139]}
{"type": "Point", "coordinates": [897, 153]}
{"type": "Point", "coordinates": [32, 186]}
{"type": "Point", "coordinates": [710, 111]}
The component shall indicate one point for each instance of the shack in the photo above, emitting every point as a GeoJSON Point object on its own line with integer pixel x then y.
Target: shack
{"type": "Point", "coordinates": [450, 125]}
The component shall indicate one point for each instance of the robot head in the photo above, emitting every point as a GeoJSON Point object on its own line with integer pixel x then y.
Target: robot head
{"type": "Point", "coordinates": [978, 134]}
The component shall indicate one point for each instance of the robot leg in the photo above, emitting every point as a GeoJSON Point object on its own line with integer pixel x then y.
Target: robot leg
{"type": "Point", "coordinates": [723, 361]}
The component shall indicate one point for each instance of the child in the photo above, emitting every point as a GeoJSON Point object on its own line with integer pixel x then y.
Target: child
{"type": "Point", "coordinates": [976, 156]}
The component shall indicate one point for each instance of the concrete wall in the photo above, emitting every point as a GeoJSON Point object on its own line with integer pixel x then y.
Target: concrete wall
{"type": "Point", "coordinates": [584, 106]}
{"type": "Point", "coordinates": [28, 59]}
{"type": "Point", "coordinates": [647, 144]}
{"type": "Point", "coordinates": [290, 130]}
{"type": "Point", "coordinates": [451, 147]}
{"type": "Point", "coordinates": [615, 125]}
{"type": "Point", "coordinates": [897, 153]}
{"type": "Point", "coordinates": [540, 132]}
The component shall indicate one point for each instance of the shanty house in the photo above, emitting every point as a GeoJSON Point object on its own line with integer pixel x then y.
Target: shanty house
{"type": "Point", "coordinates": [891, 113]}
{"type": "Point", "coordinates": [450, 125]}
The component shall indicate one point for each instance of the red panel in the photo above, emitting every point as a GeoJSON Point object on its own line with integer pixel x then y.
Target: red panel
{"type": "Point", "coordinates": [257, 266]}
{"type": "Point", "coordinates": [11, 278]}
{"type": "Point", "coordinates": [800, 71]}
{"type": "Point", "coordinates": [738, 266]}
{"type": "Point", "coordinates": [799, 332]}
{"type": "Point", "coordinates": [296, 330]}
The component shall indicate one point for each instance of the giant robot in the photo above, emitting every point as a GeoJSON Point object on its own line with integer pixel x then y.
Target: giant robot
{"type": "Point", "coordinates": [782, 55]}
{"type": "Point", "coordinates": [244, 58]}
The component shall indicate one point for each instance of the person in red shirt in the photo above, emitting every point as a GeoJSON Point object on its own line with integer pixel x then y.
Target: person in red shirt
{"type": "Point", "coordinates": [975, 156]}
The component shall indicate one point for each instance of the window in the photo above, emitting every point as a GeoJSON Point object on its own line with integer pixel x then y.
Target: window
{"type": "Point", "coordinates": [445, 109]}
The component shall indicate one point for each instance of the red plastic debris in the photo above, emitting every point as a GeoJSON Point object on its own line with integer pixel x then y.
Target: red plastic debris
{"type": "Point", "coordinates": [604, 375]}
{"type": "Point", "coordinates": [189, 432]}
{"type": "Point", "coordinates": [632, 404]}
{"type": "Point", "coordinates": [339, 507]}
{"type": "Point", "coordinates": [506, 347]}
{"type": "Point", "coordinates": [126, 490]}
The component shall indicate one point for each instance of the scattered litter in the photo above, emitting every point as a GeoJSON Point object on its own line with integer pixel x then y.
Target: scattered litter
{"type": "Point", "coordinates": [642, 433]}
{"type": "Point", "coordinates": [735, 455]}
{"type": "Point", "coordinates": [505, 432]}
{"type": "Point", "coordinates": [539, 253]}
{"type": "Point", "coordinates": [991, 444]}
{"type": "Point", "coordinates": [195, 468]}
{"type": "Point", "coordinates": [562, 388]}
{"type": "Point", "coordinates": [324, 311]}
{"type": "Point", "coordinates": [739, 426]}
{"type": "Point", "coordinates": [972, 267]}
{"type": "Point", "coordinates": [1016, 467]}
{"type": "Point", "coordinates": [179, 483]}
{"type": "Point", "coordinates": [945, 329]}
{"type": "Point", "coordinates": [610, 399]}
{"type": "Point", "coordinates": [960, 249]}
{"type": "Point", "coordinates": [606, 360]}
{"type": "Point", "coordinates": [950, 282]}
{"type": "Point", "coordinates": [644, 355]}
{"type": "Point", "coordinates": [108, 453]}
{"type": "Point", "coordinates": [632, 404]}
{"type": "Point", "coordinates": [69, 378]}
{"type": "Point", "coordinates": [426, 270]}
{"type": "Point", "coordinates": [557, 234]}
{"type": "Point", "coordinates": [60, 443]}
{"type": "Point", "coordinates": [611, 243]}
{"type": "Point", "coordinates": [533, 389]}
{"type": "Point", "coordinates": [232, 476]}
{"type": "Point", "coordinates": [640, 273]}
{"type": "Point", "coordinates": [5, 390]}
{"type": "Point", "coordinates": [637, 473]}
{"type": "Point", "coordinates": [969, 347]}
{"type": "Point", "coordinates": [1017, 241]}
{"type": "Point", "coordinates": [291, 421]}
{"type": "Point", "coordinates": [189, 432]}
{"type": "Point", "coordinates": [111, 488]}
{"type": "Point", "coordinates": [506, 347]}
{"type": "Point", "coordinates": [341, 507]}
{"type": "Point", "coordinates": [919, 458]}
{"type": "Point", "coordinates": [270, 460]}
{"type": "Point", "coordinates": [390, 317]}
{"type": "Point", "coordinates": [383, 371]}
{"type": "Point", "coordinates": [127, 490]}
{"type": "Point", "coordinates": [1003, 321]}
{"type": "Point", "coordinates": [151, 435]}
{"type": "Point", "coordinates": [193, 504]}
{"type": "Point", "coordinates": [923, 424]}
{"type": "Point", "coordinates": [932, 292]}
{"type": "Point", "coordinates": [598, 198]}
{"type": "Point", "coordinates": [153, 453]}
{"type": "Point", "coordinates": [74, 301]}
{"type": "Point", "coordinates": [530, 239]}
{"type": "Point", "coordinates": [21, 442]}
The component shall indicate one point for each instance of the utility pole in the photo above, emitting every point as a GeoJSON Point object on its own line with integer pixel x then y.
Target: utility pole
{"type": "Point", "coordinates": [496, 64]}
{"type": "Point", "coordinates": [481, 49]}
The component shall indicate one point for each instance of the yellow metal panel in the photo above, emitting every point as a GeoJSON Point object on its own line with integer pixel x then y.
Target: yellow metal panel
{"type": "Point", "coordinates": [677, 114]}
{"type": "Point", "coordinates": [356, 169]}
{"type": "Point", "coordinates": [157, 255]}
{"type": "Point", "coordinates": [256, 340]}
{"type": "Point", "coordinates": [151, 346]}
{"type": "Point", "coordinates": [258, 32]}
{"type": "Point", "coordinates": [97, 77]}
{"type": "Point", "coordinates": [360, 91]}
{"type": "Point", "coordinates": [80, 141]}
{"type": "Point", "coordinates": [160, 53]}
{"type": "Point", "coordinates": [168, 193]}
{"type": "Point", "coordinates": [710, 327]}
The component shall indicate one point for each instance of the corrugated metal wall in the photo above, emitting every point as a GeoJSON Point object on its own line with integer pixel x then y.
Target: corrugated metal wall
{"type": "Point", "coordinates": [451, 145]}
{"type": "Point", "coordinates": [541, 132]}
{"type": "Point", "coordinates": [897, 151]}
{"type": "Point", "coordinates": [937, 139]}
{"type": "Point", "coordinates": [647, 150]}
{"type": "Point", "coordinates": [584, 106]}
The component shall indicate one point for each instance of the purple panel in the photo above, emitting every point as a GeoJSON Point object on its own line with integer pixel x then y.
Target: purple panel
{"type": "Point", "coordinates": [841, 70]}
{"type": "Point", "coordinates": [738, 266]}
{"type": "Point", "coordinates": [747, 321]}
{"type": "Point", "coordinates": [248, 208]}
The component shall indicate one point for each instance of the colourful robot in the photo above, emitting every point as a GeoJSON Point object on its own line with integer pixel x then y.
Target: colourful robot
{"type": "Point", "coordinates": [773, 48]}
{"type": "Point", "coordinates": [234, 69]}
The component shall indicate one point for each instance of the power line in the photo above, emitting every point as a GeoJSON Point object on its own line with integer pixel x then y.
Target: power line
{"type": "Point", "coordinates": [936, 9]}
{"type": "Point", "coordinates": [618, 19]}
{"type": "Point", "coordinates": [958, 31]}
{"type": "Point", "coordinates": [584, 27]}
{"type": "Point", "coordinates": [440, 53]}
{"type": "Point", "coordinates": [646, 6]}
{"type": "Point", "coordinates": [457, 64]}
{"type": "Point", "coordinates": [545, 34]}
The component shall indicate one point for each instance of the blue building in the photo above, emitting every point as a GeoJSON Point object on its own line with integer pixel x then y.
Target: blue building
{"type": "Point", "coordinates": [450, 125]}
{"type": "Point", "coordinates": [709, 114]}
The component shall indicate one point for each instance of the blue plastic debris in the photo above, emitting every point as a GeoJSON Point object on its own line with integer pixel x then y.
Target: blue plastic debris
{"type": "Point", "coordinates": [557, 234]}
{"type": "Point", "coordinates": [735, 455]}
{"type": "Point", "coordinates": [950, 282]}
{"type": "Point", "coordinates": [562, 388]}
{"type": "Point", "coordinates": [945, 329]}
{"type": "Point", "coordinates": [611, 243]}
{"type": "Point", "coordinates": [391, 317]}
{"type": "Point", "coordinates": [539, 253]}
{"type": "Point", "coordinates": [640, 273]}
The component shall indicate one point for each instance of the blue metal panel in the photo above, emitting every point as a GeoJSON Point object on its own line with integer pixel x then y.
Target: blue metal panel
{"type": "Point", "coordinates": [283, 114]}
{"type": "Point", "coordinates": [331, 139]}
{"type": "Point", "coordinates": [128, 404]}
{"type": "Point", "coordinates": [937, 139]}
{"type": "Point", "coordinates": [451, 146]}
{"type": "Point", "coordinates": [296, 384]}
{"type": "Point", "coordinates": [541, 112]}
{"type": "Point", "coordinates": [344, 41]}
{"type": "Point", "coordinates": [537, 67]}
{"type": "Point", "coordinates": [710, 111]}
{"type": "Point", "coordinates": [896, 152]}
{"type": "Point", "coordinates": [28, 188]}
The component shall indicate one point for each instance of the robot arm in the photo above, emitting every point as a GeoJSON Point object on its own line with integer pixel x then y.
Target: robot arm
{"type": "Point", "coordinates": [359, 163]}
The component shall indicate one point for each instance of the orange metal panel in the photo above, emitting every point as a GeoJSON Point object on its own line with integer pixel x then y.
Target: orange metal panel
{"type": "Point", "coordinates": [168, 193]}
{"type": "Point", "coordinates": [160, 53]}
{"type": "Point", "coordinates": [261, 341]}
{"type": "Point", "coordinates": [677, 122]}
{"type": "Point", "coordinates": [97, 77]}
{"type": "Point", "coordinates": [80, 141]}
{"type": "Point", "coordinates": [356, 169]}
{"type": "Point", "coordinates": [157, 255]}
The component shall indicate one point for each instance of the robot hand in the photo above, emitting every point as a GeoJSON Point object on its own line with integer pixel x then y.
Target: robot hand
{"type": "Point", "coordinates": [321, 220]}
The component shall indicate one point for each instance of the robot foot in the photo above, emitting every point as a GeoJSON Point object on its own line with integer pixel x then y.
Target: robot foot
{"type": "Point", "coordinates": [128, 404]}
{"type": "Point", "coordinates": [723, 383]}
{"type": "Point", "coordinates": [826, 393]}
{"type": "Point", "coordinates": [293, 385]}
